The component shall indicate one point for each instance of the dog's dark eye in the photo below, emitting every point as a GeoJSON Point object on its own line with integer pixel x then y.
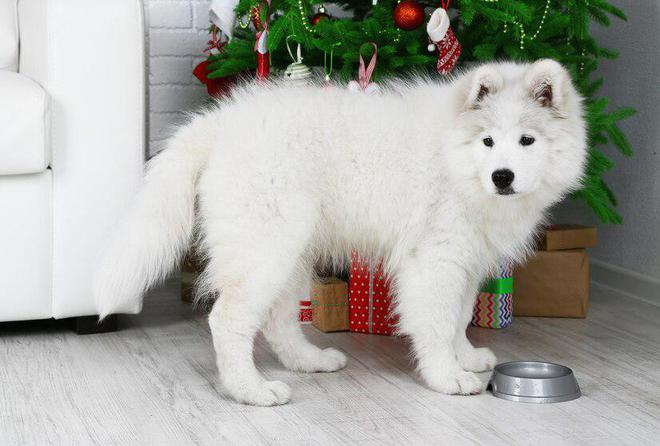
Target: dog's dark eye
{"type": "Point", "coordinates": [526, 140]}
{"type": "Point", "coordinates": [488, 141]}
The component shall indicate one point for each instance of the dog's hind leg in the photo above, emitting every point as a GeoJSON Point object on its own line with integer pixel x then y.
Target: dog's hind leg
{"type": "Point", "coordinates": [285, 335]}
{"type": "Point", "coordinates": [253, 247]}
{"type": "Point", "coordinates": [234, 320]}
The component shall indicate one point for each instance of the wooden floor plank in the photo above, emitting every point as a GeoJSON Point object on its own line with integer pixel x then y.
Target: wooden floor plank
{"type": "Point", "coordinates": [154, 382]}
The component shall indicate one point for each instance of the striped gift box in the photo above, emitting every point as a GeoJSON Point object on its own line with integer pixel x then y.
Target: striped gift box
{"type": "Point", "coordinates": [493, 308]}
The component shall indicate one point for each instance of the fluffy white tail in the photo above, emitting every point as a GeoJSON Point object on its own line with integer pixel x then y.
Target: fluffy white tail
{"type": "Point", "coordinates": [151, 239]}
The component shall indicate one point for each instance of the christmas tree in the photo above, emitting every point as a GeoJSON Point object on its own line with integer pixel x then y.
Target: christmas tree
{"type": "Point", "coordinates": [486, 29]}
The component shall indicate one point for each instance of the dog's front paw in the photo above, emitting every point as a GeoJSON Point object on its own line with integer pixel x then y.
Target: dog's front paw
{"type": "Point", "coordinates": [456, 383]}
{"type": "Point", "coordinates": [477, 359]}
{"type": "Point", "coordinates": [266, 393]}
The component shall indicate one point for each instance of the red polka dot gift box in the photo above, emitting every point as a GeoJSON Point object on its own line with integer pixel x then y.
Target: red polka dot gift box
{"type": "Point", "coordinates": [370, 300]}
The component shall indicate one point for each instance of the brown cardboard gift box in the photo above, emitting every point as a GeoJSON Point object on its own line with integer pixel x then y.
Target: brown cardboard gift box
{"type": "Point", "coordinates": [330, 305]}
{"type": "Point", "coordinates": [559, 237]}
{"type": "Point", "coordinates": [552, 284]}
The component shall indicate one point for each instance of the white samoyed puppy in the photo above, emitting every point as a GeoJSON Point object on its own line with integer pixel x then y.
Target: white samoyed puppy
{"type": "Point", "coordinates": [442, 180]}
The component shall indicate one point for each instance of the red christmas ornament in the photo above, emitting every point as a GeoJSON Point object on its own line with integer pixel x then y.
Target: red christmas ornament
{"type": "Point", "coordinates": [320, 15]}
{"type": "Point", "coordinates": [408, 15]}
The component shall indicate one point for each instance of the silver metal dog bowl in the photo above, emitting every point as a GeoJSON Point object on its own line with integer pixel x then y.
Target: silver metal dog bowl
{"type": "Point", "coordinates": [534, 382]}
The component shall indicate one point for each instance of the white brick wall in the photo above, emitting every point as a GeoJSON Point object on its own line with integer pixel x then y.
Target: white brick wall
{"type": "Point", "coordinates": [176, 35]}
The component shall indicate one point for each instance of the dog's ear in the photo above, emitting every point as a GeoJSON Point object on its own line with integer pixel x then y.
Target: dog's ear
{"type": "Point", "coordinates": [547, 82]}
{"type": "Point", "coordinates": [485, 81]}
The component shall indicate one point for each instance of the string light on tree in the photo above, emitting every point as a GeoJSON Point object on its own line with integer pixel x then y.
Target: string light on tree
{"type": "Point", "coordinates": [303, 17]}
{"type": "Point", "coordinates": [252, 17]}
{"type": "Point", "coordinates": [521, 28]}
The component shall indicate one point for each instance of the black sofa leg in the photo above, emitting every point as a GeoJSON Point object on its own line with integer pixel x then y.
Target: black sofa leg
{"type": "Point", "coordinates": [90, 324]}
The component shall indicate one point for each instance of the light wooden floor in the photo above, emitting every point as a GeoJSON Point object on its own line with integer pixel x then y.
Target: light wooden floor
{"type": "Point", "coordinates": [153, 383]}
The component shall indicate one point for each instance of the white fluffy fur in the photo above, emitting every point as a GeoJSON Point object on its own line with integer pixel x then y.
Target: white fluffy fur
{"type": "Point", "coordinates": [287, 176]}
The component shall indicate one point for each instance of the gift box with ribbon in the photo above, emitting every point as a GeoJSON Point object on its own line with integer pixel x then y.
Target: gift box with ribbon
{"type": "Point", "coordinates": [370, 300]}
{"type": "Point", "coordinates": [493, 308]}
{"type": "Point", "coordinates": [330, 305]}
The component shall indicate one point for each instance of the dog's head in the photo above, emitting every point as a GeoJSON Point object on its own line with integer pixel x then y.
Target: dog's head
{"type": "Point", "coordinates": [520, 130]}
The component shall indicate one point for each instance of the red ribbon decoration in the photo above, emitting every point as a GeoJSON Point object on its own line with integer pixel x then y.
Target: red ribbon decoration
{"type": "Point", "coordinates": [364, 74]}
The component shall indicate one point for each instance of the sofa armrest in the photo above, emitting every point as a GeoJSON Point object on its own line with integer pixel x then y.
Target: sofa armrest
{"type": "Point", "coordinates": [89, 56]}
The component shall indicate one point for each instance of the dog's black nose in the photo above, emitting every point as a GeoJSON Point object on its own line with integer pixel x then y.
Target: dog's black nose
{"type": "Point", "coordinates": [502, 178]}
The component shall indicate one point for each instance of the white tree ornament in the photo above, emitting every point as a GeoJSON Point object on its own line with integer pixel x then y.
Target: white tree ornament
{"type": "Point", "coordinates": [297, 72]}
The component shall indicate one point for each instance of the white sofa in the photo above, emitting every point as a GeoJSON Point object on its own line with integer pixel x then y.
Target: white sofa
{"type": "Point", "coordinates": [72, 146]}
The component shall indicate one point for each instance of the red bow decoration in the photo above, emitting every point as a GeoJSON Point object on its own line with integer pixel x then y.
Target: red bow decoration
{"type": "Point", "coordinates": [364, 75]}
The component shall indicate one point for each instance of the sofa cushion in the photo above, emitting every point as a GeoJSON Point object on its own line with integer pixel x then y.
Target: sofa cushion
{"type": "Point", "coordinates": [24, 122]}
{"type": "Point", "coordinates": [8, 35]}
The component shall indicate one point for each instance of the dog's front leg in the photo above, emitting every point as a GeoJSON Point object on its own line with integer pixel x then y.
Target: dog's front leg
{"type": "Point", "coordinates": [431, 294]}
{"type": "Point", "coordinates": [470, 358]}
